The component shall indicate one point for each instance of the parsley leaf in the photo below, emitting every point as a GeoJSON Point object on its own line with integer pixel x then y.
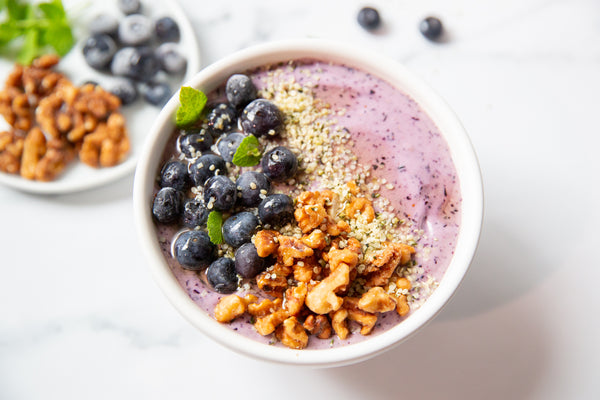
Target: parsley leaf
{"type": "Point", "coordinates": [214, 225]}
{"type": "Point", "coordinates": [191, 104]}
{"type": "Point", "coordinates": [248, 152]}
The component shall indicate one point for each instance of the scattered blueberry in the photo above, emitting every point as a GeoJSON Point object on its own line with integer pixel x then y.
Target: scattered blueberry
{"type": "Point", "coordinates": [239, 228]}
{"type": "Point", "coordinates": [99, 50]}
{"type": "Point", "coordinates": [221, 119]}
{"type": "Point", "coordinates": [175, 174]}
{"type": "Point", "coordinates": [156, 93]}
{"type": "Point", "coordinates": [229, 144]}
{"type": "Point", "coordinates": [247, 262]}
{"type": "Point", "coordinates": [279, 164]}
{"type": "Point", "coordinates": [194, 213]}
{"type": "Point", "coordinates": [368, 18]}
{"type": "Point", "coordinates": [171, 59]}
{"type": "Point", "coordinates": [104, 23]}
{"type": "Point", "coordinates": [167, 30]}
{"type": "Point", "coordinates": [222, 276]}
{"type": "Point", "coordinates": [240, 90]}
{"type": "Point", "coordinates": [205, 167]}
{"type": "Point", "coordinates": [194, 250]}
{"type": "Point", "coordinates": [135, 30]}
{"type": "Point", "coordinates": [129, 6]}
{"type": "Point", "coordinates": [125, 90]}
{"type": "Point", "coordinates": [219, 193]}
{"type": "Point", "coordinates": [251, 185]}
{"type": "Point", "coordinates": [276, 209]}
{"type": "Point", "coordinates": [193, 142]}
{"type": "Point", "coordinates": [431, 28]}
{"type": "Point", "coordinates": [167, 205]}
{"type": "Point", "coordinates": [138, 63]}
{"type": "Point", "coordinates": [261, 117]}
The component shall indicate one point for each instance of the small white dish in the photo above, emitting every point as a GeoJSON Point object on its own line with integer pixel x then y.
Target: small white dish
{"type": "Point", "coordinates": [140, 115]}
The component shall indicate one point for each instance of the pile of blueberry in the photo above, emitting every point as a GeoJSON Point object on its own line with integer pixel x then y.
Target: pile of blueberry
{"type": "Point", "coordinates": [248, 203]}
{"type": "Point", "coordinates": [136, 49]}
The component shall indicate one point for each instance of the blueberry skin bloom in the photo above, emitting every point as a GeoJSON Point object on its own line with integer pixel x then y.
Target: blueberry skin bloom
{"type": "Point", "coordinates": [279, 164]}
{"type": "Point", "coordinates": [194, 250]}
{"type": "Point", "coordinates": [222, 276]}
{"type": "Point", "coordinates": [135, 30]}
{"type": "Point", "coordinates": [431, 28]}
{"type": "Point", "coordinates": [276, 209]}
{"type": "Point", "coordinates": [125, 90]}
{"type": "Point", "coordinates": [247, 262]}
{"type": "Point", "coordinates": [219, 193]}
{"type": "Point", "coordinates": [205, 167]}
{"type": "Point", "coordinates": [221, 119]}
{"type": "Point", "coordinates": [368, 18]}
{"type": "Point", "coordinates": [167, 30]}
{"type": "Point", "coordinates": [167, 204]}
{"type": "Point", "coordinates": [193, 141]}
{"type": "Point", "coordinates": [99, 50]}
{"type": "Point", "coordinates": [194, 213]}
{"type": "Point", "coordinates": [261, 118]}
{"type": "Point", "coordinates": [238, 228]}
{"type": "Point", "coordinates": [251, 185]}
{"type": "Point", "coordinates": [229, 144]}
{"type": "Point", "coordinates": [240, 90]}
{"type": "Point", "coordinates": [175, 174]}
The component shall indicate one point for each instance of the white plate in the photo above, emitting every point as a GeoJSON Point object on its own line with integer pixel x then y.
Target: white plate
{"type": "Point", "coordinates": [140, 116]}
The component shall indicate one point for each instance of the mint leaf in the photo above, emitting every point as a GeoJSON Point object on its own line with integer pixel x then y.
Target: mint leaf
{"type": "Point", "coordinates": [191, 104]}
{"type": "Point", "coordinates": [248, 153]}
{"type": "Point", "coordinates": [214, 225]}
{"type": "Point", "coordinates": [60, 38]}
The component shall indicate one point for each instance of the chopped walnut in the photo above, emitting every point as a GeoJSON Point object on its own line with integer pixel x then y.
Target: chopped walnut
{"type": "Point", "coordinates": [294, 299]}
{"type": "Point", "coordinates": [367, 320]}
{"type": "Point", "coordinates": [267, 324]}
{"type": "Point", "coordinates": [348, 255]}
{"type": "Point", "coordinates": [272, 283]}
{"type": "Point", "coordinates": [292, 334]}
{"type": "Point", "coordinates": [316, 210]}
{"type": "Point", "coordinates": [360, 206]}
{"type": "Point", "coordinates": [376, 300]}
{"type": "Point", "coordinates": [265, 307]}
{"type": "Point", "coordinates": [11, 151]}
{"type": "Point", "coordinates": [318, 325]}
{"type": "Point", "coordinates": [379, 271]}
{"type": "Point", "coordinates": [229, 308]}
{"type": "Point", "coordinates": [291, 248]}
{"type": "Point", "coordinates": [316, 240]}
{"type": "Point", "coordinates": [108, 145]}
{"type": "Point", "coordinates": [402, 307]}
{"type": "Point", "coordinates": [321, 299]}
{"type": "Point", "coordinates": [266, 242]}
{"type": "Point", "coordinates": [306, 269]}
{"type": "Point", "coordinates": [34, 148]}
{"type": "Point", "coordinates": [339, 324]}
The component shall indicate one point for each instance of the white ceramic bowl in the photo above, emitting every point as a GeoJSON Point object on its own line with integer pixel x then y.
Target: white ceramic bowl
{"type": "Point", "coordinates": [461, 150]}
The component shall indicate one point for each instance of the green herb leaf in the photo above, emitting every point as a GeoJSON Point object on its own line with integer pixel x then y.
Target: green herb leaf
{"type": "Point", "coordinates": [191, 104]}
{"type": "Point", "coordinates": [214, 225]}
{"type": "Point", "coordinates": [248, 153]}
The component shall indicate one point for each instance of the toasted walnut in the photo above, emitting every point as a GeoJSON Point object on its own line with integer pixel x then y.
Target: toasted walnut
{"type": "Point", "coordinates": [34, 148]}
{"type": "Point", "coordinates": [267, 324]}
{"type": "Point", "coordinates": [11, 150]}
{"type": "Point", "coordinates": [229, 308]}
{"type": "Point", "coordinates": [315, 240]}
{"type": "Point", "coordinates": [266, 242]}
{"type": "Point", "coordinates": [306, 269]}
{"type": "Point", "coordinates": [376, 300]}
{"type": "Point", "coordinates": [272, 283]}
{"type": "Point", "coordinates": [353, 188]}
{"type": "Point", "coordinates": [360, 206]}
{"type": "Point", "coordinates": [366, 320]}
{"type": "Point", "coordinates": [291, 248]}
{"type": "Point", "coordinates": [57, 157]}
{"type": "Point", "coordinates": [108, 145]}
{"type": "Point", "coordinates": [292, 334]}
{"type": "Point", "coordinates": [310, 217]}
{"type": "Point", "coordinates": [339, 324]}
{"type": "Point", "coordinates": [265, 307]}
{"type": "Point", "coordinates": [402, 307]}
{"type": "Point", "coordinates": [347, 255]}
{"type": "Point", "coordinates": [294, 299]}
{"type": "Point", "coordinates": [318, 325]}
{"type": "Point", "coordinates": [379, 271]}
{"type": "Point", "coordinates": [321, 299]}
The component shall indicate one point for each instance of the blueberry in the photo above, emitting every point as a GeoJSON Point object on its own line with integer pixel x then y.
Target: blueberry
{"type": "Point", "coordinates": [194, 250]}
{"type": "Point", "coordinates": [240, 90]}
{"type": "Point", "coordinates": [171, 59]}
{"type": "Point", "coordinates": [193, 142]}
{"type": "Point", "coordinates": [261, 117]}
{"type": "Point", "coordinates": [251, 185]}
{"type": "Point", "coordinates": [229, 144]}
{"type": "Point", "coordinates": [99, 50]}
{"type": "Point", "coordinates": [219, 193]}
{"type": "Point", "coordinates": [279, 163]}
{"type": "Point", "coordinates": [138, 63]}
{"type": "Point", "coordinates": [221, 119]}
{"type": "Point", "coordinates": [222, 276]}
{"type": "Point", "coordinates": [239, 228]}
{"type": "Point", "coordinates": [167, 205]}
{"type": "Point", "coordinates": [247, 262]}
{"type": "Point", "coordinates": [368, 18]}
{"type": "Point", "coordinates": [125, 90]}
{"type": "Point", "coordinates": [156, 93]}
{"type": "Point", "coordinates": [276, 209]}
{"type": "Point", "coordinates": [175, 174]}
{"type": "Point", "coordinates": [167, 30]}
{"type": "Point", "coordinates": [129, 6]}
{"type": "Point", "coordinates": [104, 23]}
{"type": "Point", "coordinates": [135, 30]}
{"type": "Point", "coordinates": [431, 28]}
{"type": "Point", "coordinates": [194, 213]}
{"type": "Point", "coordinates": [206, 166]}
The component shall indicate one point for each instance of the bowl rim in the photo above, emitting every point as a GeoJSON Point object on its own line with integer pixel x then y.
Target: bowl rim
{"type": "Point", "coordinates": [463, 156]}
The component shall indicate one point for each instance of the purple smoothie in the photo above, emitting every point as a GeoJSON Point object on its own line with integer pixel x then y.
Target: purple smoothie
{"type": "Point", "coordinates": [408, 162]}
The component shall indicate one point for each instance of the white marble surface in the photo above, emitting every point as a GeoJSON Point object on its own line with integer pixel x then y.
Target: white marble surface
{"type": "Point", "coordinates": [80, 317]}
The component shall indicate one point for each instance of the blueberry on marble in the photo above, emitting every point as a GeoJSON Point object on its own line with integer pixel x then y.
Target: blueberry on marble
{"type": "Point", "coordinates": [240, 90]}
{"type": "Point", "coordinates": [276, 209]}
{"type": "Point", "coordinates": [167, 30]}
{"type": "Point", "coordinates": [98, 51]}
{"type": "Point", "coordinates": [156, 93]}
{"type": "Point", "coordinates": [229, 144]}
{"type": "Point", "coordinates": [431, 28]}
{"type": "Point", "coordinates": [104, 23]}
{"type": "Point", "coordinates": [368, 18]}
{"type": "Point", "coordinates": [279, 163]}
{"type": "Point", "coordinates": [194, 213]}
{"type": "Point", "coordinates": [219, 193]}
{"type": "Point", "coordinates": [194, 250]}
{"type": "Point", "coordinates": [125, 90]}
{"type": "Point", "coordinates": [222, 276]}
{"type": "Point", "coordinates": [129, 6]}
{"type": "Point", "coordinates": [239, 228]}
{"type": "Point", "coordinates": [175, 174]}
{"type": "Point", "coordinates": [222, 118]}
{"type": "Point", "coordinates": [167, 204]}
{"type": "Point", "coordinates": [205, 167]}
{"type": "Point", "coordinates": [192, 142]}
{"type": "Point", "coordinates": [138, 63]}
{"type": "Point", "coordinates": [135, 29]}
{"type": "Point", "coordinates": [171, 59]}
{"type": "Point", "coordinates": [251, 185]}
{"type": "Point", "coordinates": [247, 262]}
{"type": "Point", "coordinates": [261, 118]}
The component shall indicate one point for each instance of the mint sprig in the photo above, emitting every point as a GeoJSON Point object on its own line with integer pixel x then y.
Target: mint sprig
{"type": "Point", "coordinates": [191, 104]}
{"type": "Point", "coordinates": [248, 153]}
{"type": "Point", "coordinates": [214, 223]}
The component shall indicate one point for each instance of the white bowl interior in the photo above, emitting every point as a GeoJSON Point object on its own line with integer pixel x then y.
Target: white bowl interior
{"type": "Point", "coordinates": [461, 150]}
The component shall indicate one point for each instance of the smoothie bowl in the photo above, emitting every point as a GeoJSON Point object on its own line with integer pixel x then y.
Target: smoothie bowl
{"type": "Point", "coordinates": [323, 206]}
